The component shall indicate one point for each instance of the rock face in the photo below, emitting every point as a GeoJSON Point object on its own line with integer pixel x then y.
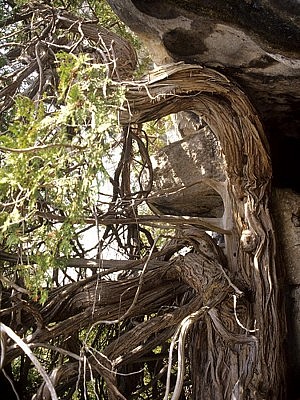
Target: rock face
{"type": "Point", "coordinates": [183, 176]}
{"type": "Point", "coordinates": [253, 42]}
{"type": "Point", "coordinates": [286, 212]}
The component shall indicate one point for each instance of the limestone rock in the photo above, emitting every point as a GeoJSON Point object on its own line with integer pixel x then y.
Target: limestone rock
{"type": "Point", "coordinates": [183, 175]}
{"type": "Point", "coordinates": [286, 206]}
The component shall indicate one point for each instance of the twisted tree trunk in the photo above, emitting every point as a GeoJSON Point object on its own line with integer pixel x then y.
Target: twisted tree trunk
{"type": "Point", "coordinates": [230, 306]}
{"type": "Point", "coordinates": [239, 348]}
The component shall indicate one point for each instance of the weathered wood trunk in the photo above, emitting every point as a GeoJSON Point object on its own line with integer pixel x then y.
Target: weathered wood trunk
{"type": "Point", "coordinates": [251, 43]}
{"type": "Point", "coordinates": [238, 347]}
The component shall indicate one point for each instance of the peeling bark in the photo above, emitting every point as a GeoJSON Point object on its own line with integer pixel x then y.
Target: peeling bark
{"type": "Point", "coordinates": [234, 121]}
{"type": "Point", "coordinates": [232, 301]}
{"type": "Point", "coordinates": [254, 43]}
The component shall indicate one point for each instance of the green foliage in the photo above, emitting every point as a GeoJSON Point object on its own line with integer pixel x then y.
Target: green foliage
{"type": "Point", "coordinates": [53, 155]}
{"type": "Point", "coordinates": [60, 133]}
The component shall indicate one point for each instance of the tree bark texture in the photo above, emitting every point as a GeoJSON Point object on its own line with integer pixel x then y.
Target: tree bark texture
{"type": "Point", "coordinates": [227, 308]}
{"type": "Point", "coordinates": [234, 359]}
{"type": "Point", "coordinates": [254, 43]}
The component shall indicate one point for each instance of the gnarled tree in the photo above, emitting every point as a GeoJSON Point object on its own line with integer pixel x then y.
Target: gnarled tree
{"type": "Point", "coordinates": [108, 328]}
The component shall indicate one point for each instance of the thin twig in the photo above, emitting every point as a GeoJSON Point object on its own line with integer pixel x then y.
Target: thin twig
{"type": "Point", "coordinates": [29, 353]}
{"type": "Point", "coordinates": [135, 299]}
{"type": "Point", "coordinates": [181, 332]}
{"type": "Point", "coordinates": [237, 319]}
{"type": "Point", "coordinates": [35, 149]}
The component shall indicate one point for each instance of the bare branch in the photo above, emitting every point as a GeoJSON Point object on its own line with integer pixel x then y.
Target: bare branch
{"type": "Point", "coordinates": [29, 353]}
{"type": "Point", "coordinates": [203, 223]}
{"type": "Point", "coordinates": [36, 149]}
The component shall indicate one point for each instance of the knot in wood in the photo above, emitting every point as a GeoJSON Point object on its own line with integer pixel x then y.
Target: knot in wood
{"type": "Point", "coordinates": [248, 240]}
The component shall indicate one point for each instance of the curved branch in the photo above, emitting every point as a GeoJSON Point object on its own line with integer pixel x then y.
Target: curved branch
{"type": "Point", "coordinates": [212, 224]}
{"type": "Point", "coordinates": [32, 357]}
